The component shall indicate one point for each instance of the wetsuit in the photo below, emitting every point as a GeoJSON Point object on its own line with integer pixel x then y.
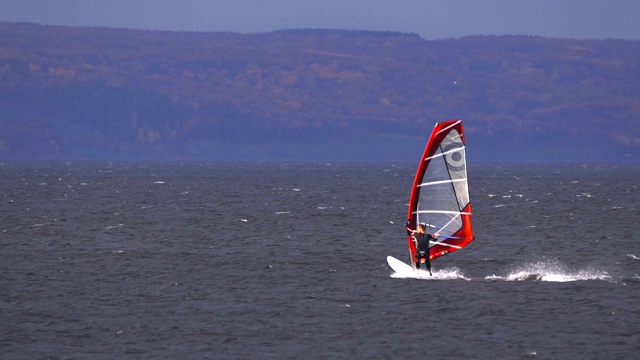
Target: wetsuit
{"type": "Point", "coordinates": [422, 249]}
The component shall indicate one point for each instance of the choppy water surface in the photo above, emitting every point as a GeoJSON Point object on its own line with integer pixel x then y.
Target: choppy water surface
{"type": "Point", "coordinates": [289, 261]}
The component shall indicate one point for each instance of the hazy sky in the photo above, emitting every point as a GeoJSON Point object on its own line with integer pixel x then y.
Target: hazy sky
{"type": "Point", "coordinates": [431, 19]}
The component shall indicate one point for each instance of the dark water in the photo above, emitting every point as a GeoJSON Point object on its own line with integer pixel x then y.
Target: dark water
{"type": "Point", "coordinates": [289, 261]}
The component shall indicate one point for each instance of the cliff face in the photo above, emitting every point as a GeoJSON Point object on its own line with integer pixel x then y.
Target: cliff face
{"type": "Point", "coordinates": [69, 92]}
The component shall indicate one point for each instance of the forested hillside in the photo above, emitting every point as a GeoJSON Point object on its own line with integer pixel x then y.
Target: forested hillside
{"type": "Point", "coordinates": [98, 93]}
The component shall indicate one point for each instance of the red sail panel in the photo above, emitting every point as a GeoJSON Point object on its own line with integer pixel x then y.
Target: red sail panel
{"type": "Point", "coordinates": [440, 192]}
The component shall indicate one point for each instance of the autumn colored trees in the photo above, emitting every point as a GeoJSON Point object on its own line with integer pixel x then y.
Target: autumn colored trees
{"type": "Point", "coordinates": [126, 93]}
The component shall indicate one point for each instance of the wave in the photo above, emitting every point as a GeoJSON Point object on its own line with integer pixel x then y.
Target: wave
{"type": "Point", "coordinates": [551, 271]}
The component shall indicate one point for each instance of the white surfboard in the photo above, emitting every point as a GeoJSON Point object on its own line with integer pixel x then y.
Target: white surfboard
{"type": "Point", "coordinates": [398, 266]}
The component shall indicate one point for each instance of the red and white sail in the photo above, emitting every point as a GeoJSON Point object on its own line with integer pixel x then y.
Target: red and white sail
{"type": "Point", "coordinates": [440, 193]}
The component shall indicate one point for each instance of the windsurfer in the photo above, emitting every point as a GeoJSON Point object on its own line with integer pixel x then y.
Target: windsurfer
{"type": "Point", "coordinates": [422, 239]}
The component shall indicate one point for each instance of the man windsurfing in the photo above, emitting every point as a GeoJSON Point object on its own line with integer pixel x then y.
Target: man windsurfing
{"type": "Point", "coordinates": [421, 240]}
